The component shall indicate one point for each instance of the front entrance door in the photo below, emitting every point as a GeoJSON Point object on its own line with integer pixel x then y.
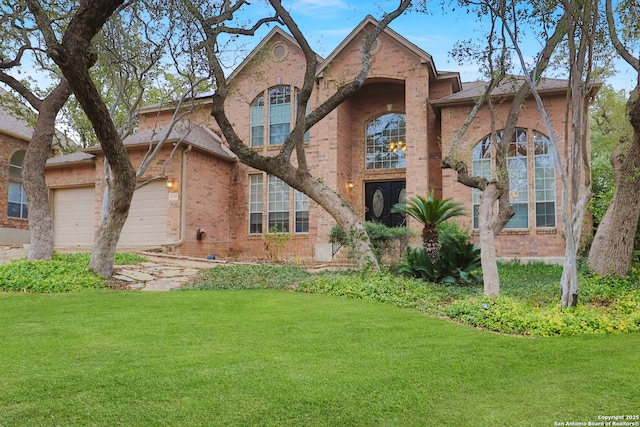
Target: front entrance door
{"type": "Point", "coordinates": [380, 197]}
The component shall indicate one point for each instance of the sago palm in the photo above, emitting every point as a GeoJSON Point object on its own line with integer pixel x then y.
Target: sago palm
{"type": "Point", "coordinates": [430, 212]}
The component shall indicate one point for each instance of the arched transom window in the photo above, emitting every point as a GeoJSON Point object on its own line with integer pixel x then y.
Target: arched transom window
{"type": "Point", "coordinates": [17, 196]}
{"type": "Point", "coordinates": [531, 166]}
{"type": "Point", "coordinates": [385, 142]}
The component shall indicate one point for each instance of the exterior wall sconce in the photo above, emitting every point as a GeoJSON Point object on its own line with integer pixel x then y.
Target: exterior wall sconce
{"type": "Point", "coordinates": [170, 184]}
{"type": "Point", "coordinates": [350, 185]}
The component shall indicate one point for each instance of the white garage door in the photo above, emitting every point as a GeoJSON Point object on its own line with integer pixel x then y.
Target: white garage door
{"type": "Point", "coordinates": [73, 216]}
{"type": "Point", "coordinates": [147, 221]}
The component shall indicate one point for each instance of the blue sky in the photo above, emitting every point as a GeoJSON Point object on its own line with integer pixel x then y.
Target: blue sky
{"type": "Point", "coordinates": [326, 23]}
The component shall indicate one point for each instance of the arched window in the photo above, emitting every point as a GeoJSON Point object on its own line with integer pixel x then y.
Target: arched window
{"type": "Point", "coordinates": [519, 166]}
{"type": "Point", "coordinates": [278, 116]}
{"type": "Point", "coordinates": [17, 196]}
{"type": "Point", "coordinates": [385, 142]}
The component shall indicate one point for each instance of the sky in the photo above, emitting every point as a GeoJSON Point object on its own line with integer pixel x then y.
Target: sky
{"type": "Point", "coordinates": [326, 23]}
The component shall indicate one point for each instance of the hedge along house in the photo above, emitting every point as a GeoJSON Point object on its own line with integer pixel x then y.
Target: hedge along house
{"type": "Point", "coordinates": [378, 147]}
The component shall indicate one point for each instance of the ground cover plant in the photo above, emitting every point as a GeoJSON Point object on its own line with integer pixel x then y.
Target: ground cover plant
{"type": "Point", "coordinates": [274, 358]}
{"type": "Point", "coordinates": [63, 273]}
{"type": "Point", "coordinates": [528, 304]}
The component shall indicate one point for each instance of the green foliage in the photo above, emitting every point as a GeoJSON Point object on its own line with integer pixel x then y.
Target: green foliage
{"type": "Point", "coordinates": [274, 241]}
{"type": "Point", "coordinates": [429, 210]}
{"type": "Point", "coordinates": [602, 186]}
{"type": "Point", "coordinates": [254, 276]}
{"type": "Point", "coordinates": [63, 273]}
{"type": "Point", "coordinates": [383, 239]}
{"type": "Point", "coordinates": [457, 262]}
{"type": "Point", "coordinates": [528, 304]}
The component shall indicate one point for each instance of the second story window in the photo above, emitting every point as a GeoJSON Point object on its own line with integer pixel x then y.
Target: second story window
{"type": "Point", "coordinates": [385, 142]}
{"type": "Point", "coordinates": [279, 114]}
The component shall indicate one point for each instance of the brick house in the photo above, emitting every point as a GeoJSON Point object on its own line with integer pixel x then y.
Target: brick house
{"type": "Point", "coordinates": [15, 134]}
{"type": "Point", "coordinates": [383, 144]}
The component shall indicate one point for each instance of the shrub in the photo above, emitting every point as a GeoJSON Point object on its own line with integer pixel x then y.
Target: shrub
{"type": "Point", "coordinates": [458, 261]}
{"type": "Point", "coordinates": [383, 239]}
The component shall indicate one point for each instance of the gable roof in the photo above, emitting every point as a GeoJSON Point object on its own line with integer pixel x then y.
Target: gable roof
{"type": "Point", "coordinates": [471, 91]}
{"type": "Point", "coordinates": [276, 31]}
{"type": "Point", "coordinates": [424, 57]}
{"type": "Point", "coordinates": [198, 137]}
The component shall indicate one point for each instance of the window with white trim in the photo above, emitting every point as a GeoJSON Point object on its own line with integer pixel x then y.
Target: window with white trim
{"type": "Point", "coordinates": [17, 198]}
{"type": "Point", "coordinates": [257, 121]}
{"type": "Point", "coordinates": [284, 206]}
{"type": "Point", "coordinates": [385, 142]}
{"type": "Point", "coordinates": [278, 217]}
{"type": "Point", "coordinates": [255, 204]}
{"type": "Point", "coordinates": [301, 208]}
{"type": "Point", "coordinates": [519, 163]}
{"type": "Point", "coordinates": [279, 114]}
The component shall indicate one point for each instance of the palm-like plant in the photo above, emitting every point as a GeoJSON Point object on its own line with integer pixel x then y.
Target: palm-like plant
{"type": "Point", "coordinates": [430, 212]}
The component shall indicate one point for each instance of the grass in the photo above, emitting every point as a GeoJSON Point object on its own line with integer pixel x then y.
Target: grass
{"type": "Point", "coordinates": [528, 304]}
{"type": "Point", "coordinates": [259, 357]}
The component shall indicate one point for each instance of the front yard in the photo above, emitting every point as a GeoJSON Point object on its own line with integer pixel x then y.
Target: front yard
{"type": "Point", "coordinates": [270, 358]}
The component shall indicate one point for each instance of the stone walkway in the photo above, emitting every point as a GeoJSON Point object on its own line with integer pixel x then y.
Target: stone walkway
{"type": "Point", "coordinates": [159, 273]}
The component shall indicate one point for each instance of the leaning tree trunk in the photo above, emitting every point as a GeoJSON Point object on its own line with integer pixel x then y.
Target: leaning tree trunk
{"type": "Point", "coordinates": [342, 212]}
{"type": "Point", "coordinates": [612, 247]}
{"type": "Point", "coordinates": [35, 187]}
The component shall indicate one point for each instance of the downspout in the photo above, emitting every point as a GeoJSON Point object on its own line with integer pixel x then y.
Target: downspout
{"type": "Point", "coordinates": [183, 201]}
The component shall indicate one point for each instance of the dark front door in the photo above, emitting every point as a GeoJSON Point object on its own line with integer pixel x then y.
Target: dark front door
{"type": "Point", "coordinates": [380, 197]}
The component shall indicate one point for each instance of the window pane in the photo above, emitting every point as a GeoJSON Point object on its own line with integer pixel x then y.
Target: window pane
{"type": "Point", "coordinates": [15, 165]}
{"type": "Point", "coordinates": [278, 205]}
{"type": "Point", "coordinates": [257, 122]}
{"type": "Point", "coordinates": [279, 114]}
{"type": "Point", "coordinates": [255, 204]}
{"type": "Point", "coordinates": [385, 142]}
{"type": "Point", "coordinates": [521, 218]}
{"type": "Point", "coordinates": [17, 207]}
{"type": "Point", "coordinates": [301, 202]}
{"type": "Point", "coordinates": [545, 182]}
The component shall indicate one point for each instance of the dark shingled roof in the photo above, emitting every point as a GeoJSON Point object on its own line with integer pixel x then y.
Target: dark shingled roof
{"type": "Point", "coordinates": [473, 90]}
{"type": "Point", "coordinates": [198, 136]}
{"type": "Point", "coordinates": [76, 157]}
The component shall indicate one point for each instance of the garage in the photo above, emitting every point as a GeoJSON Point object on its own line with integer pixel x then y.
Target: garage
{"type": "Point", "coordinates": [147, 221]}
{"type": "Point", "coordinates": [73, 217]}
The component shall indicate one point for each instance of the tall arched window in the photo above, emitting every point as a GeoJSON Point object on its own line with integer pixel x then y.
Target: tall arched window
{"type": "Point", "coordinates": [385, 142]}
{"type": "Point", "coordinates": [519, 164]}
{"type": "Point", "coordinates": [278, 116]}
{"type": "Point", "coordinates": [17, 196]}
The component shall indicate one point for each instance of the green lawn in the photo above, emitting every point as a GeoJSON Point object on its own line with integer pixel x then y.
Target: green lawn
{"type": "Point", "coordinates": [274, 358]}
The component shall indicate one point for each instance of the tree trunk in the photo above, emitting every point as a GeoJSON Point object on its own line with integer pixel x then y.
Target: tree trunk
{"type": "Point", "coordinates": [487, 240]}
{"type": "Point", "coordinates": [612, 247]}
{"type": "Point", "coordinates": [75, 57]}
{"type": "Point", "coordinates": [35, 187]}
{"type": "Point", "coordinates": [342, 212]}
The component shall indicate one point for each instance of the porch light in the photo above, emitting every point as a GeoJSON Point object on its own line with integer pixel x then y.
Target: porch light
{"type": "Point", "coordinates": [170, 184]}
{"type": "Point", "coordinates": [350, 185]}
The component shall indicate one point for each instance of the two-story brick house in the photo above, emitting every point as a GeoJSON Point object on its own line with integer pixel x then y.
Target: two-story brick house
{"type": "Point", "coordinates": [381, 145]}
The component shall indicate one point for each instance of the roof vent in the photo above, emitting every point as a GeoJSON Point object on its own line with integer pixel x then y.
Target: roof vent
{"type": "Point", "coordinates": [279, 52]}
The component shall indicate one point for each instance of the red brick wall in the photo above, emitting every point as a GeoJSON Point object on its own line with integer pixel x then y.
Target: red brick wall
{"type": "Point", "coordinates": [8, 146]}
{"type": "Point", "coordinates": [531, 242]}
